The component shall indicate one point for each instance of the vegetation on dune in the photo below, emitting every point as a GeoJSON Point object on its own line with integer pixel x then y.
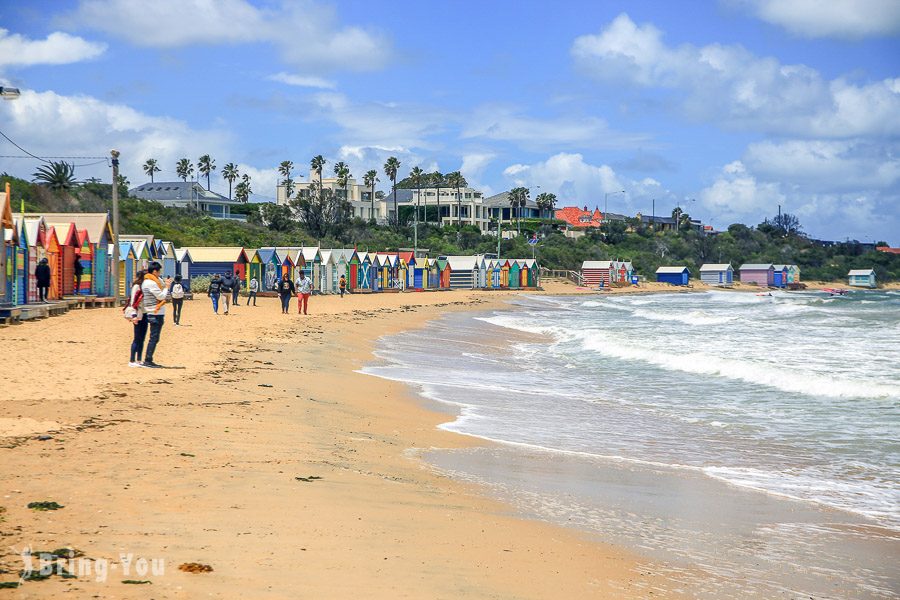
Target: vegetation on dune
{"type": "Point", "coordinates": [779, 240]}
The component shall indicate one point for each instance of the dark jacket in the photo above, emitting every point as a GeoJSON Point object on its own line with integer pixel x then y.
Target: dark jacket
{"type": "Point", "coordinates": [215, 287]}
{"type": "Point", "coordinates": [42, 275]}
{"type": "Point", "coordinates": [79, 268]}
{"type": "Point", "coordinates": [286, 287]}
{"type": "Point", "coordinates": [227, 283]}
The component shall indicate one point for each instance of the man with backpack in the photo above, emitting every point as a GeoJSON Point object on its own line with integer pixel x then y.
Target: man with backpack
{"type": "Point", "coordinates": [177, 299]}
{"type": "Point", "coordinates": [156, 294]}
{"type": "Point", "coordinates": [226, 287]}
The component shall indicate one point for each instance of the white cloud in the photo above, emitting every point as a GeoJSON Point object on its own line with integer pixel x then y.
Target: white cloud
{"type": "Point", "coordinates": [576, 182]}
{"type": "Point", "coordinates": [739, 90]}
{"type": "Point", "coordinates": [852, 19]}
{"type": "Point", "coordinates": [307, 34]}
{"type": "Point", "coordinates": [57, 49]}
{"type": "Point", "coordinates": [473, 166]}
{"type": "Point", "coordinates": [49, 124]}
{"type": "Point", "coordinates": [736, 194]}
{"type": "Point", "coordinates": [302, 80]}
{"type": "Point", "coordinates": [504, 123]}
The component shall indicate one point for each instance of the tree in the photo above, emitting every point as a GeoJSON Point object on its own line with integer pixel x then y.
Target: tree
{"type": "Point", "coordinates": [546, 201]}
{"type": "Point", "coordinates": [370, 179]}
{"type": "Point", "coordinates": [456, 180]}
{"type": "Point", "coordinates": [58, 176]}
{"type": "Point", "coordinates": [184, 168]}
{"type": "Point", "coordinates": [230, 173]}
{"type": "Point", "coordinates": [518, 199]}
{"type": "Point", "coordinates": [206, 165]}
{"type": "Point", "coordinates": [437, 180]}
{"type": "Point", "coordinates": [123, 182]}
{"type": "Point", "coordinates": [317, 164]}
{"type": "Point", "coordinates": [391, 166]}
{"type": "Point", "coordinates": [342, 172]}
{"type": "Point", "coordinates": [151, 167]}
{"type": "Point", "coordinates": [243, 190]}
{"type": "Point", "coordinates": [276, 216]}
{"type": "Point", "coordinates": [785, 224]}
{"type": "Point", "coordinates": [417, 177]}
{"type": "Point", "coordinates": [323, 211]}
{"type": "Point", "coordinates": [285, 169]}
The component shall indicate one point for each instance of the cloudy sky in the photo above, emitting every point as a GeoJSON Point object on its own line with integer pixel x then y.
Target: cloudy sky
{"type": "Point", "coordinates": [725, 107]}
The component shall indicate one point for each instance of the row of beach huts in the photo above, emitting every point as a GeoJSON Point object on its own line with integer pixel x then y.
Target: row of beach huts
{"type": "Point", "coordinates": [605, 273]}
{"type": "Point", "coordinates": [65, 239]}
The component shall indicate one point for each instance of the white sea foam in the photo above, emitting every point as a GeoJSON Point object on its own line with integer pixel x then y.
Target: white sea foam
{"type": "Point", "coordinates": [695, 317]}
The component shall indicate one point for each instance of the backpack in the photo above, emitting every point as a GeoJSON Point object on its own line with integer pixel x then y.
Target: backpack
{"type": "Point", "coordinates": [129, 311]}
{"type": "Point", "coordinates": [177, 291]}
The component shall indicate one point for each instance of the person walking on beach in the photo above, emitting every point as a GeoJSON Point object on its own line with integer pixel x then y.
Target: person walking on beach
{"type": "Point", "coordinates": [42, 279]}
{"type": "Point", "coordinates": [177, 299]}
{"type": "Point", "coordinates": [213, 291]}
{"type": "Point", "coordinates": [227, 284]}
{"type": "Point", "coordinates": [156, 294]}
{"type": "Point", "coordinates": [79, 271]}
{"type": "Point", "coordinates": [254, 287]}
{"type": "Point", "coordinates": [285, 292]}
{"type": "Point", "coordinates": [342, 285]}
{"type": "Point", "coordinates": [304, 289]}
{"type": "Point", "coordinates": [139, 320]}
{"type": "Point", "coordinates": [236, 289]}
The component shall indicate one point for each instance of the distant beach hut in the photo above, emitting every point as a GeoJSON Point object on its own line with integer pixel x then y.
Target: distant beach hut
{"type": "Point", "coordinates": [16, 258]}
{"type": "Point", "coordinates": [793, 274]}
{"type": "Point", "coordinates": [99, 231]}
{"type": "Point", "coordinates": [312, 261]}
{"type": "Point", "coordinates": [533, 272]}
{"type": "Point", "coordinates": [183, 262]}
{"type": "Point", "coordinates": [444, 273]}
{"type": "Point", "coordinates": [597, 273]}
{"type": "Point", "coordinates": [212, 260]}
{"type": "Point", "coordinates": [673, 275]}
{"type": "Point", "coordinates": [326, 283]}
{"type": "Point", "coordinates": [463, 272]}
{"type": "Point", "coordinates": [515, 274]}
{"type": "Point", "coordinates": [341, 257]}
{"type": "Point", "coordinates": [85, 256]}
{"type": "Point", "coordinates": [268, 268]}
{"type": "Point", "coordinates": [861, 278]}
{"type": "Point", "coordinates": [717, 274]}
{"type": "Point", "coordinates": [254, 267]}
{"type": "Point", "coordinates": [505, 265]}
{"type": "Point", "coordinates": [52, 253]}
{"type": "Point", "coordinates": [758, 273]}
{"type": "Point", "coordinates": [128, 266]}
{"type": "Point", "coordinates": [420, 270]}
{"type": "Point", "coordinates": [780, 276]}
{"type": "Point", "coordinates": [67, 236]}
{"type": "Point", "coordinates": [622, 271]}
{"type": "Point", "coordinates": [290, 266]}
{"type": "Point", "coordinates": [167, 258]}
{"type": "Point", "coordinates": [434, 274]}
{"type": "Point", "coordinates": [32, 231]}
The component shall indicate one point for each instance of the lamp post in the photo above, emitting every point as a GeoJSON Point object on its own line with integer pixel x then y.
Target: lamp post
{"type": "Point", "coordinates": [606, 200]}
{"type": "Point", "coordinates": [115, 208]}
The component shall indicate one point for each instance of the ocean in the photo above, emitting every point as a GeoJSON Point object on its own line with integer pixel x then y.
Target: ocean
{"type": "Point", "coordinates": [748, 445]}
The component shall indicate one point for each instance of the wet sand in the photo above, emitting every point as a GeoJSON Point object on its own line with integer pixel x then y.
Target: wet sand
{"type": "Point", "coordinates": [261, 453]}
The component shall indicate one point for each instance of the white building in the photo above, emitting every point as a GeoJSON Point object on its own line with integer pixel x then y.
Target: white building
{"type": "Point", "coordinates": [359, 196]}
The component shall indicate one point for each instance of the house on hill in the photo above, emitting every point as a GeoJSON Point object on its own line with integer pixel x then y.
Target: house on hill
{"type": "Point", "coordinates": [182, 194]}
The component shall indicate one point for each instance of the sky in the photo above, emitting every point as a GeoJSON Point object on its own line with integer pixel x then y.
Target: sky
{"type": "Point", "coordinates": [726, 108]}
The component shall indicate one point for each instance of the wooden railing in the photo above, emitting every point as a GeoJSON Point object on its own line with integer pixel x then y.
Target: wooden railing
{"type": "Point", "coordinates": [573, 276]}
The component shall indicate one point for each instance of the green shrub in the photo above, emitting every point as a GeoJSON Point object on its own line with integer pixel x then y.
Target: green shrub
{"type": "Point", "coordinates": [200, 284]}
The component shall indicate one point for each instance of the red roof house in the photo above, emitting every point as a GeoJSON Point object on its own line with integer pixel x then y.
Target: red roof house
{"type": "Point", "coordinates": [580, 218]}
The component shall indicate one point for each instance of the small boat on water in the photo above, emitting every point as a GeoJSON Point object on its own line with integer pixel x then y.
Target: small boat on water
{"type": "Point", "coordinates": [766, 294]}
{"type": "Point", "coordinates": [835, 291]}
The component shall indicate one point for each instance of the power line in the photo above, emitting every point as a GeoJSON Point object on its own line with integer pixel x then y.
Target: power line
{"type": "Point", "coordinates": [23, 149]}
{"type": "Point", "coordinates": [99, 159]}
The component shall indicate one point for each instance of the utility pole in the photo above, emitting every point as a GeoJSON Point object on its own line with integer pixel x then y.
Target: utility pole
{"type": "Point", "coordinates": [499, 236]}
{"type": "Point", "coordinates": [653, 214]}
{"type": "Point", "coordinates": [115, 208]}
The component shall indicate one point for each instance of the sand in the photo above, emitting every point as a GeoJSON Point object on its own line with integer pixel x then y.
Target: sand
{"type": "Point", "coordinates": [262, 453]}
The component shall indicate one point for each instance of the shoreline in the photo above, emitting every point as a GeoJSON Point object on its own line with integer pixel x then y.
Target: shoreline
{"type": "Point", "coordinates": [198, 464]}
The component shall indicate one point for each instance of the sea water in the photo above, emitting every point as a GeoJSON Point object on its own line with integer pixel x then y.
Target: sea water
{"type": "Point", "coordinates": [750, 443]}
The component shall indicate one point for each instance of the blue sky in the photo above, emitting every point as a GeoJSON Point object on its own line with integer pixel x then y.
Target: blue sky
{"type": "Point", "coordinates": [727, 108]}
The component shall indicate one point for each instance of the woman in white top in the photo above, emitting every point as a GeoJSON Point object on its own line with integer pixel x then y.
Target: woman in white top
{"type": "Point", "coordinates": [139, 319]}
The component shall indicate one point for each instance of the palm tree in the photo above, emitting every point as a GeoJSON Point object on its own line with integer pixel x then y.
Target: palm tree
{"type": "Point", "coordinates": [59, 176]}
{"type": "Point", "coordinates": [184, 168]}
{"type": "Point", "coordinates": [391, 166]}
{"type": "Point", "coordinates": [230, 174]}
{"type": "Point", "coordinates": [317, 163]}
{"type": "Point", "coordinates": [518, 199]}
{"type": "Point", "coordinates": [456, 180]}
{"type": "Point", "coordinates": [243, 190]}
{"type": "Point", "coordinates": [546, 201]}
{"type": "Point", "coordinates": [417, 176]}
{"type": "Point", "coordinates": [206, 165]}
{"type": "Point", "coordinates": [370, 178]}
{"type": "Point", "coordinates": [342, 172]}
{"type": "Point", "coordinates": [437, 179]}
{"type": "Point", "coordinates": [150, 167]}
{"type": "Point", "coordinates": [285, 170]}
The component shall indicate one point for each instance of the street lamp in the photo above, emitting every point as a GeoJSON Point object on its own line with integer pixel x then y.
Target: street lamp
{"type": "Point", "coordinates": [9, 93]}
{"type": "Point", "coordinates": [606, 201]}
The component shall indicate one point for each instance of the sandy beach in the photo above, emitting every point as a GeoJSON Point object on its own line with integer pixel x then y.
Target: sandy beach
{"type": "Point", "coordinates": [261, 453]}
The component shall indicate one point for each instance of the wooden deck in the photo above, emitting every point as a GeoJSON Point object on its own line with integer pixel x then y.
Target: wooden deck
{"type": "Point", "coordinates": [29, 312]}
